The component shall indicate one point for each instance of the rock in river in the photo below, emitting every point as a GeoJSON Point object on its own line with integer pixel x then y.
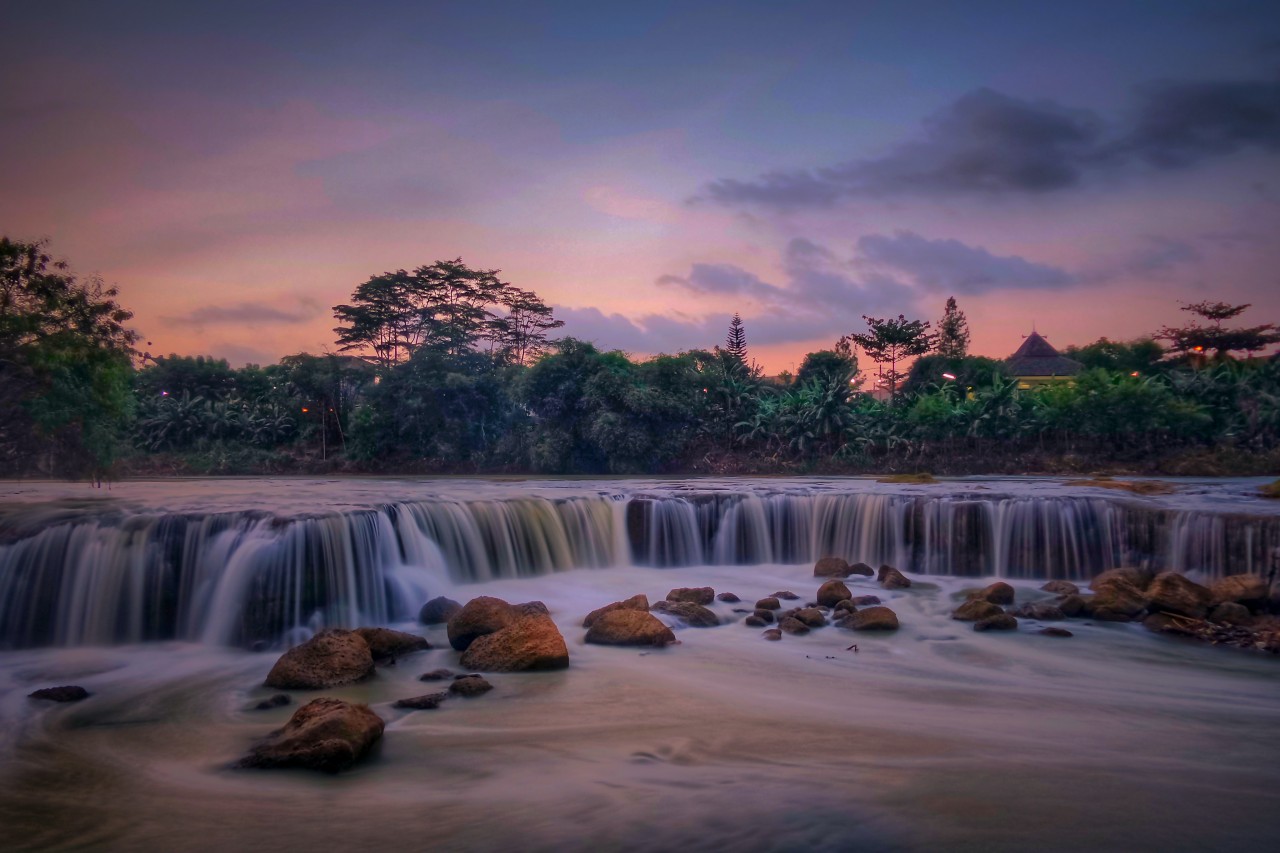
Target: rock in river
{"type": "Point", "coordinates": [696, 595]}
{"type": "Point", "coordinates": [891, 578]}
{"type": "Point", "coordinates": [975, 609]}
{"type": "Point", "coordinates": [438, 611]}
{"type": "Point", "coordinates": [66, 693]}
{"type": "Point", "coordinates": [693, 615]}
{"type": "Point", "coordinates": [479, 616]}
{"type": "Point", "coordinates": [325, 734]}
{"type": "Point", "coordinates": [832, 567]}
{"type": "Point", "coordinates": [470, 686]}
{"type": "Point", "coordinates": [999, 622]}
{"type": "Point", "coordinates": [329, 659]}
{"type": "Point", "coordinates": [635, 602]}
{"type": "Point", "coordinates": [385, 643]}
{"type": "Point", "coordinates": [1061, 587]}
{"type": "Point", "coordinates": [629, 628]}
{"type": "Point", "coordinates": [876, 618]}
{"type": "Point", "coordinates": [529, 644]}
{"type": "Point", "coordinates": [832, 593]}
{"type": "Point", "coordinates": [996, 593]}
{"type": "Point", "coordinates": [1170, 592]}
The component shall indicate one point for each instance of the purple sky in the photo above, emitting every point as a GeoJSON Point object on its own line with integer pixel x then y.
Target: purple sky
{"type": "Point", "coordinates": [650, 170]}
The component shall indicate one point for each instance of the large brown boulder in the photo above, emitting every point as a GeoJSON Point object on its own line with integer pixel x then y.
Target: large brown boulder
{"type": "Point", "coordinates": [871, 619]}
{"type": "Point", "coordinates": [629, 628]}
{"type": "Point", "coordinates": [385, 643]}
{"type": "Point", "coordinates": [1119, 595]}
{"type": "Point", "coordinates": [1061, 587]}
{"type": "Point", "coordinates": [791, 625]}
{"type": "Point", "coordinates": [1075, 605]}
{"type": "Point", "coordinates": [438, 611]}
{"type": "Point", "coordinates": [635, 602]}
{"type": "Point", "coordinates": [891, 578]}
{"type": "Point", "coordinates": [975, 609]}
{"type": "Point", "coordinates": [1170, 592]}
{"type": "Point", "coordinates": [329, 659]}
{"type": "Point", "coordinates": [325, 734]}
{"type": "Point", "coordinates": [996, 593]}
{"type": "Point", "coordinates": [479, 616]}
{"type": "Point", "coordinates": [832, 593]}
{"type": "Point", "coordinates": [766, 615]}
{"type": "Point", "coordinates": [862, 569]}
{"type": "Point", "coordinates": [832, 567]}
{"type": "Point", "coordinates": [693, 615]}
{"type": "Point", "coordinates": [1250, 590]}
{"type": "Point", "coordinates": [770, 603]}
{"type": "Point", "coordinates": [694, 595]}
{"type": "Point", "coordinates": [531, 643]}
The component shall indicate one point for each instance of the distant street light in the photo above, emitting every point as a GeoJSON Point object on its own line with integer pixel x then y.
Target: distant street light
{"type": "Point", "coordinates": [950, 376]}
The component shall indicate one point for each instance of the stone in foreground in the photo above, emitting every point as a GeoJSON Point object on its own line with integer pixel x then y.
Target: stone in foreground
{"type": "Point", "coordinates": [629, 628]}
{"type": "Point", "coordinates": [1000, 622]}
{"type": "Point", "coordinates": [996, 593]}
{"type": "Point", "coordinates": [325, 734]}
{"type": "Point", "coordinates": [1170, 592]}
{"type": "Point", "coordinates": [470, 686]}
{"type": "Point", "coordinates": [426, 702]}
{"type": "Point", "coordinates": [479, 616]}
{"type": "Point", "coordinates": [386, 643]}
{"type": "Point", "coordinates": [832, 567]}
{"type": "Point", "coordinates": [635, 602]}
{"type": "Point", "coordinates": [693, 615]}
{"type": "Point", "coordinates": [66, 693]}
{"type": "Point", "coordinates": [976, 609]}
{"type": "Point", "coordinates": [876, 618]}
{"type": "Point", "coordinates": [530, 644]}
{"type": "Point", "coordinates": [329, 659]}
{"type": "Point", "coordinates": [694, 595]}
{"type": "Point", "coordinates": [832, 593]}
{"type": "Point", "coordinates": [891, 578]}
{"type": "Point", "coordinates": [1061, 588]}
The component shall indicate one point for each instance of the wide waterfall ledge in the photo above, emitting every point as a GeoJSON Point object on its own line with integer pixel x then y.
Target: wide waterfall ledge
{"type": "Point", "coordinates": [254, 562]}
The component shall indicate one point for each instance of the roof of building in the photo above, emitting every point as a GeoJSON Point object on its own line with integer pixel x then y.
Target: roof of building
{"type": "Point", "coordinates": [1037, 357]}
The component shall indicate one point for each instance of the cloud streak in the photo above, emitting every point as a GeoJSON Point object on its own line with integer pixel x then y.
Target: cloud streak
{"type": "Point", "coordinates": [989, 144]}
{"type": "Point", "coordinates": [246, 313]}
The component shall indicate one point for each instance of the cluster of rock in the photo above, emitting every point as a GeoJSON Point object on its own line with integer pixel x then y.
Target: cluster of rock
{"type": "Point", "coordinates": [1230, 610]}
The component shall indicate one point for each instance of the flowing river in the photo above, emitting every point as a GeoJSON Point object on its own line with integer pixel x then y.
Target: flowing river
{"type": "Point", "coordinates": [169, 601]}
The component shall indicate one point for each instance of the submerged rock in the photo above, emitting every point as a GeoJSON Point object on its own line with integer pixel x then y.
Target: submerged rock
{"type": "Point", "coordinates": [832, 593]}
{"type": "Point", "coordinates": [786, 595]}
{"type": "Point", "coordinates": [65, 693]}
{"type": "Point", "coordinates": [770, 603]}
{"type": "Point", "coordinates": [754, 621]}
{"type": "Point", "coordinates": [385, 643]}
{"type": "Point", "coordinates": [728, 598]}
{"type": "Point", "coordinates": [629, 628]}
{"type": "Point", "coordinates": [635, 602]}
{"type": "Point", "coordinates": [1061, 587]}
{"type": "Point", "coordinates": [832, 567]}
{"type": "Point", "coordinates": [862, 569]}
{"type": "Point", "coordinates": [791, 625]}
{"type": "Point", "coordinates": [694, 595]}
{"type": "Point", "coordinates": [847, 606]}
{"type": "Point", "coordinates": [277, 701]}
{"type": "Point", "coordinates": [999, 622]}
{"type": "Point", "coordinates": [1055, 632]}
{"type": "Point", "coordinates": [1170, 592]}
{"type": "Point", "coordinates": [479, 616]}
{"type": "Point", "coordinates": [865, 600]}
{"type": "Point", "coordinates": [1231, 613]}
{"type": "Point", "coordinates": [325, 734]}
{"type": "Point", "coordinates": [426, 702]}
{"type": "Point", "coordinates": [438, 610]}
{"type": "Point", "coordinates": [470, 686]}
{"type": "Point", "coordinates": [996, 593]}
{"type": "Point", "coordinates": [1044, 611]}
{"type": "Point", "coordinates": [437, 675]}
{"type": "Point", "coordinates": [693, 615]}
{"type": "Point", "coordinates": [773, 634]}
{"type": "Point", "coordinates": [876, 618]}
{"type": "Point", "coordinates": [1075, 605]}
{"type": "Point", "coordinates": [810, 616]}
{"type": "Point", "coordinates": [975, 609]}
{"type": "Point", "coordinates": [331, 658]}
{"type": "Point", "coordinates": [529, 644]}
{"type": "Point", "coordinates": [766, 615]}
{"type": "Point", "coordinates": [891, 578]}
{"type": "Point", "coordinates": [1124, 578]}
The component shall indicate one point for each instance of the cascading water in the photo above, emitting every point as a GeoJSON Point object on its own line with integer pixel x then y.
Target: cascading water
{"type": "Point", "coordinates": [74, 575]}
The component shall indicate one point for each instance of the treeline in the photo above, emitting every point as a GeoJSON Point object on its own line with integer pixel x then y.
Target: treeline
{"type": "Point", "coordinates": [449, 369]}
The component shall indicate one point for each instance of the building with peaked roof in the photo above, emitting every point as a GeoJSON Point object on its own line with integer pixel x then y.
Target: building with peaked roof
{"type": "Point", "coordinates": [1037, 363]}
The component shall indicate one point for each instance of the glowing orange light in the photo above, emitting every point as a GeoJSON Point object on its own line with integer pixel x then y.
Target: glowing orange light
{"type": "Point", "coordinates": [1135, 373]}
{"type": "Point", "coordinates": [305, 410]}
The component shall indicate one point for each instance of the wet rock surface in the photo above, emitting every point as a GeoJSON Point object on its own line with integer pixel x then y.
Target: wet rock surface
{"type": "Point", "coordinates": [770, 603]}
{"type": "Point", "coordinates": [386, 643]}
{"type": "Point", "coordinates": [975, 609]}
{"type": "Point", "coordinates": [996, 593]}
{"type": "Point", "coordinates": [325, 734]}
{"type": "Point", "coordinates": [728, 598]}
{"type": "Point", "coordinates": [279, 700]}
{"type": "Point", "coordinates": [832, 593]}
{"type": "Point", "coordinates": [438, 611]}
{"type": "Point", "coordinates": [635, 602]}
{"type": "Point", "coordinates": [875, 618]}
{"type": "Point", "coordinates": [891, 578]}
{"type": "Point", "coordinates": [479, 616]}
{"type": "Point", "coordinates": [1170, 592]}
{"type": "Point", "coordinates": [629, 628]}
{"type": "Point", "coordinates": [832, 567]}
{"type": "Point", "coordinates": [1061, 587]}
{"type": "Point", "coordinates": [65, 693]}
{"type": "Point", "coordinates": [1043, 611]}
{"type": "Point", "coordinates": [470, 686]}
{"type": "Point", "coordinates": [693, 615]}
{"type": "Point", "coordinates": [329, 659]}
{"type": "Point", "coordinates": [529, 644]}
{"type": "Point", "coordinates": [694, 595]}
{"type": "Point", "coordinates": [425, 702]}
{"type": "Point", "coordinates": [999, 622]}
{"type": "Point", "coordinates": [437, 675]}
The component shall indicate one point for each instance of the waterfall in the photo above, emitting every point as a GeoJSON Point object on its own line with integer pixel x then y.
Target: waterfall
{"type": "Point", "coordinates": [71, 576]}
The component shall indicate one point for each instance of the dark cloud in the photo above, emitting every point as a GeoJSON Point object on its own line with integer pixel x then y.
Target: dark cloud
{"type": "Point", "coordinates": [1180, 125]}
{"type": "Point", "coordinates": [989, 144]}
{"type": "Point", "coordinates": [957, 268]}
{"type": "Point", "coordinates": [246, 313]}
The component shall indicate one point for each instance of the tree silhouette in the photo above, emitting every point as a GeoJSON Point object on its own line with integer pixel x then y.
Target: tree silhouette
{"type": "Point", "coordinates": [953, 332]}
{"type": "Point", "coordinates": [1196, 339]}
{"type": "Point", "coordinates": [888, 341]}
{"type": "Point", "coordinates": [735, 343]}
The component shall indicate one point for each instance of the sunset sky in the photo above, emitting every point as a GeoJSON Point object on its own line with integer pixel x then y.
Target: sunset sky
{"type": "Point", "coordinates": [651, 168]}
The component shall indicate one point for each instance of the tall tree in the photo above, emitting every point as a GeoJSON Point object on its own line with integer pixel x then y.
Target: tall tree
{"type": "Point", "coordinates": [735, 343]}
{"type": "Point", "coordinates": [1196, 339]}
{"type": "Point", "coordinates": [65, 366]}
{"type": "Point", "coordinates": [889, 341]}
{"type": "Point", "coordinates": [953, 332]}
{"type": "Point", "coordinates": [521, 335]}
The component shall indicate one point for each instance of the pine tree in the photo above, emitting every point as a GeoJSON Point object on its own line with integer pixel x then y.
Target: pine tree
{"type": "Point", "coordinates": [953, 332]}
{"type": "Point", "coordinates": [736, 342]}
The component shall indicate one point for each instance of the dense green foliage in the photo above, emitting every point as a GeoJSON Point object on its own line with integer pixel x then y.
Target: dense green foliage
{"type": "Point", "coordinates": [463, 383]}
